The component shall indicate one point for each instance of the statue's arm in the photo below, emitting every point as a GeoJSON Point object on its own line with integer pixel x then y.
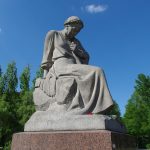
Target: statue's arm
{"type": "Point", "coordinates": [81, 52]}
{"type": "Point", "coordinates": [48, 52]}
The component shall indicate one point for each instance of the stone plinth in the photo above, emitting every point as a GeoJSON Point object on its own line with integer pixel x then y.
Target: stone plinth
{"type": "Point", "coordinates": [73, 140]}
{"type": "Point", "coordinates": [47, 121]}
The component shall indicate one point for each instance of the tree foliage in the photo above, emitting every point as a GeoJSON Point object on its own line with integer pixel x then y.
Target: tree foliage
{"type": "Point", "coordinates": [137, 116]}
{"type": "Point", "coordinates": [39, 74]}
{"type": "Point", "coordinates": [1, 82]}
{"type": "Point", "coordinates": [10, 79]}
{"type": "Point", "coordinates": [15, 106]}
{"type": "Point", "coordinates": [115, 111]}
{"type": "Point", "coordinates": [25, 107]}
{"type": "Point", "coordinates": [8, 97]}
{"type": "Point", "coordinates": [25, 79]}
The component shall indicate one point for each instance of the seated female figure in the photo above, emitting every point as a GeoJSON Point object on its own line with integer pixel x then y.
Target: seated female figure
{"type": "Point", "coordinates": [68, 79]}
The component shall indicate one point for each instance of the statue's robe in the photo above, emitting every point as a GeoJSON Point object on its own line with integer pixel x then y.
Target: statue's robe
{"type": "Point", "coordinates": [88, 89]}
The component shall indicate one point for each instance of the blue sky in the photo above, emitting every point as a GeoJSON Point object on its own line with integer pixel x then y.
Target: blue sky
{"type": "Point", "coordinates": [116, 35]}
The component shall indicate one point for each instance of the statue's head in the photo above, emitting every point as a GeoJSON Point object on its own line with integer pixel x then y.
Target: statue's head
{"type": "Point", "coordinates": [74, 20]}
{"type": "Point", "coordinates": [73, 25]}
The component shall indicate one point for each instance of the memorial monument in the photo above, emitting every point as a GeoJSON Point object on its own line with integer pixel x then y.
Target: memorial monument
{"type": "Point", "coordinates": [72, 97]}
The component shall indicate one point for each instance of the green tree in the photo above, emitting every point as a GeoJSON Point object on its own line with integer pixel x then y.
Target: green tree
{"type": "Point", "coordinates": [15, 106]}
{"type": "Point", "coordinates": [25, 106]}
{"type": "Point", "coordinates": [39, 74]}
{"type": "Point", "coordinates": [10, 78]}
{"type": "Point", "coordinates": [137, 115]}
{"type": "Point", "coordinates": [1, 82]}
{"type": "Point", "coordinates": [25, 79]}
{"type": "Point", "coordinates": [0, 71]}
{"type": "Point", "coordinates": [5, 115]}
{"type": "Point", "coordinates": [115, 110]}
{"type": "Point", "coordinates": [8, 117]}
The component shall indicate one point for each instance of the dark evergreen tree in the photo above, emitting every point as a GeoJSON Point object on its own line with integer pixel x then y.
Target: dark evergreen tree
{"type": "Point", "coordinates": [1, 82]}
{"type": "Point", "coordinates": [0, 71]}
{"type": "Point", "coordinates": [25, 79]}
{"type": "Point", "coordinates": [26, 106]}
{"type": "Point", "coordinates": [10, 78]}
{"type": "Point", "coordinates": [8, 99]}
{"type": "Point", "coordinates": [15, 107]}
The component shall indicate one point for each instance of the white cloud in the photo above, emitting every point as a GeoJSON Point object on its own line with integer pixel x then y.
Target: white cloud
{"type": "Point", "coordinates": [95, 8]}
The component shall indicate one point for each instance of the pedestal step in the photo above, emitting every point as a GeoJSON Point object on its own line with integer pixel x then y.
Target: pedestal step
{"type": "Point", "coordinates": [73, 140]}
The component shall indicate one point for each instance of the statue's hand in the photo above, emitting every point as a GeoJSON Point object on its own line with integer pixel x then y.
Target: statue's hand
{"type": "Point", "coordinates": [74, 46]}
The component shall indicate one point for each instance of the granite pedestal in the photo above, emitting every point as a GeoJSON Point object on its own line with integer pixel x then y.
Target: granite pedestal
{"type": "Point", "coordinates": [73, 140]}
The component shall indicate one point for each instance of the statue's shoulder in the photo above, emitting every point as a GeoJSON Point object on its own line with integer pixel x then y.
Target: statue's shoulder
{"type": "Point", "coordinates": [51, 33]}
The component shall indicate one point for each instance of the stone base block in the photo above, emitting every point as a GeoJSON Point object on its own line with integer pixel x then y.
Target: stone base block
{"type": "Point", "coordinates": [73, 140]}
{"type": "Point", "coordinates": [47, 121]}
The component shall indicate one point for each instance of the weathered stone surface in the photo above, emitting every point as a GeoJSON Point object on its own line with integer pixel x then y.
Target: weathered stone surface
{"type": "Point", "coordinates": [48, 121]}
{"type": "Point", "coordinates": [73, 140]}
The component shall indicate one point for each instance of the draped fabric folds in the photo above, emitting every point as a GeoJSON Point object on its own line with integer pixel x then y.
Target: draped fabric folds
{"type": "Point", "coordinates": [80, 87]}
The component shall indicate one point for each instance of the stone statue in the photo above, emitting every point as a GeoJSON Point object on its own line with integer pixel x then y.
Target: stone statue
{"type": "Point", "coordinates": [70, 89]}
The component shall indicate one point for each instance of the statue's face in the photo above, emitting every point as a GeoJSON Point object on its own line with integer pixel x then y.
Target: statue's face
{"type": "Point", "coordinates": [73, 30]}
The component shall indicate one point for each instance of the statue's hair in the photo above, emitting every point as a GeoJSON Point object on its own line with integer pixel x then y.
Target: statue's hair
{"type": "Point", "coordinates": [72, 20]}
